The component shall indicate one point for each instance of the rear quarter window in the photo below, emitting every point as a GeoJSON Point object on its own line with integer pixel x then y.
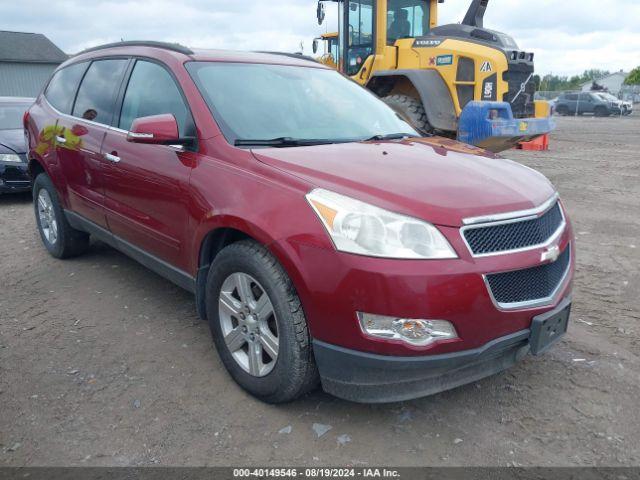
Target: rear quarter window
{"type": "Point", "coordinates": [96, 96]}
{"type": "Point", "coordinates": [63, 86]}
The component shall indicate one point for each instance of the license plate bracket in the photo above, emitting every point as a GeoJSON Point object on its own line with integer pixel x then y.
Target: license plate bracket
{"type": "Point", "coordinates": [548, 328]}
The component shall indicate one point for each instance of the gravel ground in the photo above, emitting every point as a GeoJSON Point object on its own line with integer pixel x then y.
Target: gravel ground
{"type": "Point", "coordinates": [105, 363]}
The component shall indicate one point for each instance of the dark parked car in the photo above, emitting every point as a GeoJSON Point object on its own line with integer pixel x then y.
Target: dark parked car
{"type": "Point", "coordinates": [323, 237]}
{"type": "Point", "coordinates": [14, 175]}
{"type": "Point", "coordinates": [589, 102]}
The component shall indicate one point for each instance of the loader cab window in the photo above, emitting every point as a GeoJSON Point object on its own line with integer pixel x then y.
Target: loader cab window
{"type": "Point", "coordinates": [334, 49]}
{"type": "Point", "coordinates": [407, 19]}
{"type": "Point", "coordinates": [360, 25]}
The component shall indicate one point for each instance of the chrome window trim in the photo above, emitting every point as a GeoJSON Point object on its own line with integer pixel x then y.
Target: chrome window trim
{"type": "Point", "coordinates": [539, 302]}
{"type": "Point", "coordinates": [177, 148]}
{"type": "Point", "coordinates": [84, 120]}
{"type": "Point", "coordinates": [532, 212]}
{"type": "Point", "coordinates": [541, 211]}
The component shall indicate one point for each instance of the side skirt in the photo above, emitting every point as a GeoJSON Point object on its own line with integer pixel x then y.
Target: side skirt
{"type": "Point", "coordinates": [162, 268]}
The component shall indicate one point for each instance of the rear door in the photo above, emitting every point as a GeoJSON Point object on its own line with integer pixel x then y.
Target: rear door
{"type": "Point", "coordinates": [79, 137]}
{"type": "Point", "coordinates": [572, 103]}
{"type": "Point", "coordinates": [147, 190]}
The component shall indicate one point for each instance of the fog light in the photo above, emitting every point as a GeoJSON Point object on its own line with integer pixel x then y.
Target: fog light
{"type": "Point", "coordinates": [414, 331]}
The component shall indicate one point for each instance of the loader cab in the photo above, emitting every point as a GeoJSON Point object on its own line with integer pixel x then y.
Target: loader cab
{"type": "Point", "coordinates": [330, 55]}
{"type": "Point", "coordinates": [371, 25]}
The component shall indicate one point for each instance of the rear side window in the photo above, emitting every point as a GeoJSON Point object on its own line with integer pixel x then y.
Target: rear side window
{"type": "Point", "coordinates": [572, 96]}
{"type": "Point", "coordinates": [63, 86]}
{"type": "Point", "coordinates": [96, 96]}
{"type": "Point", "coordinates": [152, 91]}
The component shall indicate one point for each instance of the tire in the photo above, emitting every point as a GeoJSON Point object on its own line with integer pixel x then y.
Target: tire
{"type": "Point", "coordinates": [59, 238]}
{"type": "Point", "coordinates": [601, 112]}
{"type": "Point", "coordinates": [293, 372]}
{"type": "Point", "coordinates": [562, 110]}
{"type": "Point", "coordinates": [411, 109]}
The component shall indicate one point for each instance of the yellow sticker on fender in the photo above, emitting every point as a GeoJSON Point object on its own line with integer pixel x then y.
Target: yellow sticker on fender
{"type": "Point", "coordinates": [524, 126]}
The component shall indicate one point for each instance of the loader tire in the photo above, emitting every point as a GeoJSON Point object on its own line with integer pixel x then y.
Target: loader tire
{"type": "Point", "coordinates": [410, 109]}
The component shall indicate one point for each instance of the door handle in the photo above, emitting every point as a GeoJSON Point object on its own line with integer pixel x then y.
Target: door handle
{"type": "Point", "coordinates": [60, 139]}
{"type": "Point", "coordinates": [112, 158]}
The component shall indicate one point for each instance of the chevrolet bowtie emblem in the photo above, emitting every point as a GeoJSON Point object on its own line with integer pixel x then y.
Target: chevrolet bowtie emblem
{"type": "Point", "coordinates": [550, 254]}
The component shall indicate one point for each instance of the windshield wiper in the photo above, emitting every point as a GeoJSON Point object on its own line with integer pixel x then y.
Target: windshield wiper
{"type": "Point", "coordinates": [281, 142]}
{"type": "Point", "coordinates": [390, 136]}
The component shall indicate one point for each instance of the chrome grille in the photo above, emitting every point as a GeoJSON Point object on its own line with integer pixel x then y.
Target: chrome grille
{"type": "Point", "coordinates": [514, 234]}
{"type": "Point", "coordinates": [530, 286]}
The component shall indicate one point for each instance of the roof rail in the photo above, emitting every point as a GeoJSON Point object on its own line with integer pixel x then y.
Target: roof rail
{"type": "Point", "coordinates": [290, 55]}
{"type": "Point", "coordinates": [174, 47]}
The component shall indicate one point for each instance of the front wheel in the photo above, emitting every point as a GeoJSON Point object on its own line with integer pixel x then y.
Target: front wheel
{"type": "Point", "coordinates": [601, 112]}
{"type": "Point", "coordinates": [258, 325]}
{"type": "Point", "coordinates": [58, 236]}
{"type": "Point", "coordinates": [411, 109]}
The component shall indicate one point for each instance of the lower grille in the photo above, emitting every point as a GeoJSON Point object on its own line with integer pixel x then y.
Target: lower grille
{"type": "Point", "coordinates": [17, 183]}
{"type": "Point", "coordinates": [530, 286]}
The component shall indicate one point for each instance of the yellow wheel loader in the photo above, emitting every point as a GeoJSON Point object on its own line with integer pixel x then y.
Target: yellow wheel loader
{"type": "Point", "coordinates": [331, 49]}
{"type": "Point", "coordinates": [463, 81]}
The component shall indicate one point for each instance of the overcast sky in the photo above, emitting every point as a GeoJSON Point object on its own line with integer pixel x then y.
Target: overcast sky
{"type": "Point", "coordinates": [568, 36]}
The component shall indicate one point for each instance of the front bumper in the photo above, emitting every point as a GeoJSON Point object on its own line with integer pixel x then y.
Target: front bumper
{"type": "Point", "coordinates": [477, 127]}
{"type": "Point", "coordinates": [370, 378]}
{"type": "Point", "coordinates": [14, 177]}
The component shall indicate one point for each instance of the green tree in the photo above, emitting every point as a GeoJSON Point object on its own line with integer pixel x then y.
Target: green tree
{"type": "Point", "coordinates": [634, 77]}
{"type": "Point", "coordinates": [558, 83]}
{"type": "Point", "coordinates": [536, 81]}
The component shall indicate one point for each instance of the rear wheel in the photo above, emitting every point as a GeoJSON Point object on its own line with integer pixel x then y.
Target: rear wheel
{"type": "Point", "coordinates": [258, 325]}
{"type": "Point", "coordinates": [58, 236]}
{"type": "Point", "coordinates": [411, 109]}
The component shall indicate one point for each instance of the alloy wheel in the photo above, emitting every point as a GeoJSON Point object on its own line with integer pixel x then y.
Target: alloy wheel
{"type": "Point", "coordinates": [47, 217]}
{"type": "Point", "coordinates": [248, 324]}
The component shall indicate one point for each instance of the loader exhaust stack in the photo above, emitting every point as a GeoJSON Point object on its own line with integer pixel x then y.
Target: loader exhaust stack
{"type": "Point", "coordinates": [475, 14]}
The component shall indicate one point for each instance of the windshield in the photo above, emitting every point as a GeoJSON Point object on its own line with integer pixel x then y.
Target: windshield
{"type": "Point", "coordinates": [252, 101]}
{"type": "Point", "coordinates": [11, 116]}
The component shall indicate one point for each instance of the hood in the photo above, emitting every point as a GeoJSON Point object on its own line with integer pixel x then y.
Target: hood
{"type": "Point", "coordinates": [438, 180]}
{"type": "Point", "coordinates": [12, 141]}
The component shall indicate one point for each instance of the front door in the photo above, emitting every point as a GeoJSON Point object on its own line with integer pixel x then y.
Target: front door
{"type": "Point", "coordinates": [147, 186]}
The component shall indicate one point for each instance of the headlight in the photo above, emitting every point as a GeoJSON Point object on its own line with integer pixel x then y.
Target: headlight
{"type": "Point", "coordinates": [357, 227]}
{"type": "Point", "coordinates": [10, 157]}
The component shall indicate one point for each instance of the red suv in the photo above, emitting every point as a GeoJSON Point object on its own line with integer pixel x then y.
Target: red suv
{"type": "Point", "coordinates": [325, 239]}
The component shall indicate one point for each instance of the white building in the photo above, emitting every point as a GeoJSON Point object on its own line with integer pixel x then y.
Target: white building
{"type": "Point", "coordinates": [613, 83]}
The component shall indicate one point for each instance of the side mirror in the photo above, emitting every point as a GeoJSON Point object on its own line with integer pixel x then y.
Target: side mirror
{"type": "Point", "coordinates": [314, 46]}
{"type": "Point", "coordinates": [156, 129]}
{"type": "Point", "coordinates": [320, 12]}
